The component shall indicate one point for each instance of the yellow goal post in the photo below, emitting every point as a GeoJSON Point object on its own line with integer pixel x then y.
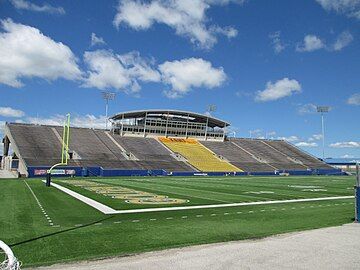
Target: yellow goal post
{"type": "Point", "coordinates": [64, 150]}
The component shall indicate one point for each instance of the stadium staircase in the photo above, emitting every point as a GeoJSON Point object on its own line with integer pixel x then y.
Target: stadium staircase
{"type": "Point", "coordinates": [198, 155]}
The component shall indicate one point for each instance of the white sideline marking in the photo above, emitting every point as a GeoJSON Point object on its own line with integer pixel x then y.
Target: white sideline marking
{"type": "Point", "coordinates": [39, 204]}
{"type": "Point", "coordinates": [98, 206]}
{"type": "Point", "coordinates": [108, 210]}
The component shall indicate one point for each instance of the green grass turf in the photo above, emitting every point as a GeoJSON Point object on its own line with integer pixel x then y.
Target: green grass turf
{"type": "Point", "coordinates": [81, 232]}
{"type": "Point", "coordinates": [220, 190]}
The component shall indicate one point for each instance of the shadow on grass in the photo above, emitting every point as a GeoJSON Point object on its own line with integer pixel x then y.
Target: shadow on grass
{"type": "Point", "coordinates": [59, 232]}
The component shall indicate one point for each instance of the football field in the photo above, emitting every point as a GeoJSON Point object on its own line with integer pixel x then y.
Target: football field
{"type": "Point", "coordinates": [46, 225]}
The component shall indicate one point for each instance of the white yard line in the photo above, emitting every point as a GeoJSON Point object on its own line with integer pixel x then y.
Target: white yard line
{"type": "Point", "coordinates": [228, 205]}
{"type": "Point", "coordinates": [98, 206]}
{"type": "Point", "coordinates": [108, 210]}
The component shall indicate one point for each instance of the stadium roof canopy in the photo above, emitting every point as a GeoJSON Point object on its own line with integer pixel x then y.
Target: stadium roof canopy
{"type": "Point", "coordinates": [193, 117]}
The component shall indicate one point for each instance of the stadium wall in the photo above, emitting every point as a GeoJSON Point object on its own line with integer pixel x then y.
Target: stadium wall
{"type": "Point", "coordinates": [99, 171]}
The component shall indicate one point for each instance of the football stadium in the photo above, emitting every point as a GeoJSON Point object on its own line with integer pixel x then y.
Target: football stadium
{"type": "Point", "coordinates": [179, 134]}
{"type": "Point", "coordinates": [157, 179]}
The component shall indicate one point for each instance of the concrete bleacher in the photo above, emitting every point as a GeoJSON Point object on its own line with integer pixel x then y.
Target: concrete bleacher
{"type": "Point", "coordinates": [40, 145]}
{"type": "Point", "coordinates": [35, 142]}
{"type": "Point", "coordinates": [237, 156]}
{"type": "Point", "coordinates": [144, 148]}
{"type": "Point", "coordinates": [295, 153]}
{"type": "Point", "coordinates": [269, 154]}
{"type": "Point", "coordinates": [150, 153]}
{"type": "Point", "coordinates": [198, 155]}
{"type": "Point", "coordinates": [88, 145]}
{"type": "Point", "coordinates": [105, 138]}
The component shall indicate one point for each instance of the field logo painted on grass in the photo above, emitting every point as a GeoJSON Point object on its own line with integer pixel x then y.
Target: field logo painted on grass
{"type": "Point", "coordinates": [123, 193]}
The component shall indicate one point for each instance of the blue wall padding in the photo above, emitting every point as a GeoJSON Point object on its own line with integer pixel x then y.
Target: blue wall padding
{"type": "Point", "coordinates": [99, 171]}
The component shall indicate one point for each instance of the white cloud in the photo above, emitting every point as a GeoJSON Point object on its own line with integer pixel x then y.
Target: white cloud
{"type": "Point", "coordinates": [308, 108]}
{"type": "Point", "coordinates": [122, 72]}
{"type": "Point", "coordinates": [280, 89]}
{"type": "Point", "coordinates": [125, 72]}
{"type": "Point", "coordinates": [311, 43]}
{"type": "Point", "coordinates": [343, 40]}
{"type": "Point", "coordinates": [10, 112]}
{"type": "Point", "coordinates": [306, 144]}
{"type": "Point", "coordinates": [27, 5]}
{"type": "Point", "coordinates": [256, 133]}
{"type": "Point", "coordinates": [186, 17]}
{"type": "Point", "coordinates": [277, 45]}
{"type": "Point", "coordinates": [228, 31]}
{"type": "Point", "coordinates": [26, 53]}
{"type": "Point", "coordinates": [345, 145]}
{"type": "Point", "coordinates": [315, 137]}
{"type": "Point", "coordinates": [354, 99]}
{"type": "Point", "coordinates": [241, 94]}
{"type": "Point", "coordinates": [347, 156]}
{"type": "Point", "coordinates": [351, 8]}
{"type": "Point", "coordinates": [292, 138]}
{"type": "Point", "coordinates": [185, 74]}
{"type": "Point", "coordinates": [87, 121]}
{"type": "Point", "coordinates": [95, 40]}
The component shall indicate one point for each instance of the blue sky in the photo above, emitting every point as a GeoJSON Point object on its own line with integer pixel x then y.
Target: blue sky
{"type": "Point", "coordinates": [265, 64]}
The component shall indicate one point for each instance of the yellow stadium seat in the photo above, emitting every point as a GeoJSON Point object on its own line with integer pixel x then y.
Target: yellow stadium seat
{"type": "Point", "coordinates": [198, 155]}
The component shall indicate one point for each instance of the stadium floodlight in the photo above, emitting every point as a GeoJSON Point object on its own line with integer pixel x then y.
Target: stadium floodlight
{"type": "Point", "coordinates": [107, 96]}
{"type": "Point", "coordinates": [211, 108]}
{"type": "Point", "coordinates": [322, 110]}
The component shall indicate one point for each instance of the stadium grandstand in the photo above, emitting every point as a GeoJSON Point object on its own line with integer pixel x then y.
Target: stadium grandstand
{"type": "Point", "coordinates": [153, 142]}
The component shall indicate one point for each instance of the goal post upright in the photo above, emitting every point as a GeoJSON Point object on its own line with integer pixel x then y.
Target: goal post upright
{"type": "Point", "coordinates": [64, 150]}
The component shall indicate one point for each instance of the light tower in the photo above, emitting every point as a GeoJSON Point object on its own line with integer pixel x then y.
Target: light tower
{"type": "Point", "coordinates": [211, 108]}
{"type": "Point", "coordinates": [107, 96]}
{"type": "Point", "coordinates": [322, 110]}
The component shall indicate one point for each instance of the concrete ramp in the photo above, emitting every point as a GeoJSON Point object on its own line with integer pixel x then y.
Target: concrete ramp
{"type": "Point", "coordinates": [7, 174]}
